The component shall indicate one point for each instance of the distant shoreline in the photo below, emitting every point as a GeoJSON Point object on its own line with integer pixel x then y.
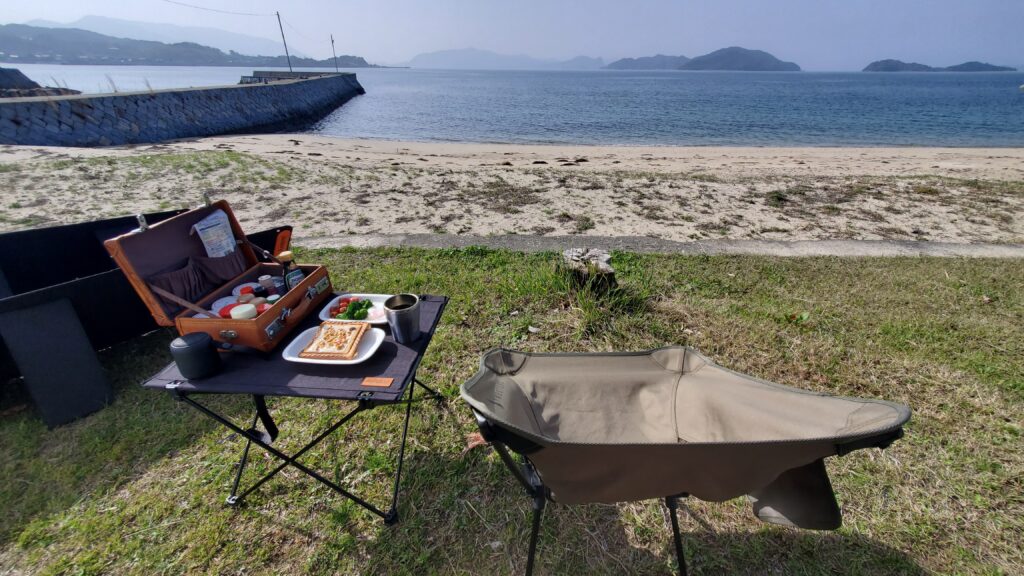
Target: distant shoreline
{"type": "Point", "coordinates": [645, 146]}
{"type": "Point", "coordinates": [15, 64]}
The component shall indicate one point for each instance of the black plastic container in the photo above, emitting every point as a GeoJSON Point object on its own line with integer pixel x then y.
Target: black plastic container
{"type": "Point", "coordinates": [196, 355]}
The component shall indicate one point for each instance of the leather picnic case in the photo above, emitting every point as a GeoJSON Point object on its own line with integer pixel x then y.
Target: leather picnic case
{"type": "Point", "coordinates": [170, 256]}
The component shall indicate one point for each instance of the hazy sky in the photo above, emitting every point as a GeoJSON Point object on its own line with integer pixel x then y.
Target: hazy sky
{"type": "Point", "coordinates": [817, 34]}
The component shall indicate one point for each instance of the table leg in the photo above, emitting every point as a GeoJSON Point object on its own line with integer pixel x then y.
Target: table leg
{"type": "Point", "coordinates": [264, 439]}
{"type": "Point", "coordinates": [258, 440]}
{"type": "Point", "coordinates": [291, 459]}
{"type": "Point", "coordinates": [392, 516]}
{"type": "Point", "coordinates": [233, 498]}
{"type": "Point", "coordinates": [434, 393]}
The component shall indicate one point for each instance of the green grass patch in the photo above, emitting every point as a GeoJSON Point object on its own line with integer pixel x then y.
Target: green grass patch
{"type": "Point", "coordinates": [138, 487]}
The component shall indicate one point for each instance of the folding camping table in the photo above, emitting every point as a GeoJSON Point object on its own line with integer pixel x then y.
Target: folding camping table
{"type": "Point", "coordinates": [259, 376]}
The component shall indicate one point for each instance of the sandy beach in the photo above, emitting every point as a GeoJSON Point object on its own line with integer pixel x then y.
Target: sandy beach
{"type": "Point", "coordinates": [330, 187]}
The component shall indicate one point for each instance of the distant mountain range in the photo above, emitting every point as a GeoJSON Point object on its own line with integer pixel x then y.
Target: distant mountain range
{"type": "Point", "coordinates": [899, 66]}
{"type": "Point", "coordinates": [34, 44]}
{"type": "Point", "coordinates": [656, 62]}
{"type": "Point", "coordinates": [475, 59]}
{"type": "Point", "coordinates": [170, 34]}
{"type": "Point", "coordinates": [733, 58]}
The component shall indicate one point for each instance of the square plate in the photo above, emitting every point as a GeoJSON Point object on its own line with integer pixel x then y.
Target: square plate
{"type": "Point", "coordinates": [378, 304]}
{"type": "Point", "coordinates": [372, 339]}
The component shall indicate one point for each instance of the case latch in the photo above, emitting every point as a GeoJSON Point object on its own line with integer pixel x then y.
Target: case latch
{"type": "Point", "coordinates": [274, 327]}
{"type": "Point", "coordinates": [228, 334]}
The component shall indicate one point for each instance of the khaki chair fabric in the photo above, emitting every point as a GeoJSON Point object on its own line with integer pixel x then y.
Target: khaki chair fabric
{"type": "Point", "coordinates": [630, 426]}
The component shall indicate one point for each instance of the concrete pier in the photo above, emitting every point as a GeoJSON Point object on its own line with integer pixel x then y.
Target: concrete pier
{"type": "Point", "coordinates": [272, 103]}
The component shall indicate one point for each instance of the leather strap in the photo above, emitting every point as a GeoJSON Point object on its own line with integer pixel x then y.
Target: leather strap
{"type": "Point", "coordinates": [261, 252]}
{"type": "Point", "coordinates": [179, 300]}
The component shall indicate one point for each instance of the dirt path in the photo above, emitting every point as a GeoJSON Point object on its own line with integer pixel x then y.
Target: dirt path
{"type": "Point", "coordinates": [523, 243]}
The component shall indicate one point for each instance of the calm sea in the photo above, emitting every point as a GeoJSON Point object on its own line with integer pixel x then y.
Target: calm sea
{"type": "Point", "coordinates": [640, 108]}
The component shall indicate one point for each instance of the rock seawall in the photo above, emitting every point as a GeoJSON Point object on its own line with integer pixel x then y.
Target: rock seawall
{"type": "Point", "coordinates": [144, 117]}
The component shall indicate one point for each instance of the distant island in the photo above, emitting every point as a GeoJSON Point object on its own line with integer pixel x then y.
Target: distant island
{"type": "Point", "coordinates": [742, 59]}
{"type": "Point", "coordinates": [900, 66]}
{"type": "Point", "coordinates": [37, 45]}
{"type": "Point", "coordinates": [732, 58]}
{"type": "Point", "coordinates": [656, 62]}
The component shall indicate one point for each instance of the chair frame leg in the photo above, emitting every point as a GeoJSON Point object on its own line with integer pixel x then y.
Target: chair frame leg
{"type": "Point", "coordinates": [673, 505]}
{"type": "Point", "coordinates": [538, 511]}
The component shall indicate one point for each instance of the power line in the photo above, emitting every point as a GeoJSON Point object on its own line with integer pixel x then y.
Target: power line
{"type": "Point", "coordinates": [296, 30]}
{"type": "Point", "coordinates": [214, 9]}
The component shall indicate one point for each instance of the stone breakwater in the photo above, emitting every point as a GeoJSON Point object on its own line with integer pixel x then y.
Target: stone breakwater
{"type": "Point", "coordinates": [159, 115]}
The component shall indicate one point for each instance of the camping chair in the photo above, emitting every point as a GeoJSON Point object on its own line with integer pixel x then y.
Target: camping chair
{"type": "Point", "coordinates": [669, 423]}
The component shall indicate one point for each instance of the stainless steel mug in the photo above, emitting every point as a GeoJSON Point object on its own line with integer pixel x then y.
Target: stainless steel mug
{"type": "Point", "coordinates": [403, 314]}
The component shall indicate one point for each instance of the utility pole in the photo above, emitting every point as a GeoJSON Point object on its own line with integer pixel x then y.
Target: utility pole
{"type": "Point", "coordinates": [286, 55]}
{"type": "Point", "coordinates": [335, 54]}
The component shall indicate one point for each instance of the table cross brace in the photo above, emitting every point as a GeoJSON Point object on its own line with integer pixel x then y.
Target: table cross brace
{"type": "Point", "coordinates": [264, 440]}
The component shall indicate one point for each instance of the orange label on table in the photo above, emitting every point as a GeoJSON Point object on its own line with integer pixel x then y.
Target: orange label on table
{"type": "Point", "coordinates": [378, 382]}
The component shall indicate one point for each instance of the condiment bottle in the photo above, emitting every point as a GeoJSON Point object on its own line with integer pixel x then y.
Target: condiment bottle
{"type": "Point", "coordinates": [267, 282]}
{"type": "Point", "coordinates": [279, 284]}
{"type": "Point", "coordinates": [293, 275]}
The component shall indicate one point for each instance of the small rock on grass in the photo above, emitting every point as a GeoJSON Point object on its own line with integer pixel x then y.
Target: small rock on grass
{"type": "Point", "coordinates": [590, 268]}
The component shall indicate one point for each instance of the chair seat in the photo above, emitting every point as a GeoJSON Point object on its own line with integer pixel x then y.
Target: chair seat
{"type": "Point", "coordinates": [630, 426]}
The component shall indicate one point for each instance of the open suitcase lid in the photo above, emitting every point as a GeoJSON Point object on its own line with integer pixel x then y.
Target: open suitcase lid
{"type": "Point", "coordinates": [170, 247]}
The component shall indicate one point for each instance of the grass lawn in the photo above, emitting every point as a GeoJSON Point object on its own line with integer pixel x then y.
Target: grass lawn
{"type": "Point", "coordinates": [138, 487]}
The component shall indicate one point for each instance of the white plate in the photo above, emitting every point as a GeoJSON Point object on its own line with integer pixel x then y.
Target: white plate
{"type": "Point", "coordinates": [222, 302]}
{"type": "Point", "coordinates": [372, 339]}
{"type": "Point", "coordinates": [238, 289]}
{"type": "Point", "coordinates": [378, 304]}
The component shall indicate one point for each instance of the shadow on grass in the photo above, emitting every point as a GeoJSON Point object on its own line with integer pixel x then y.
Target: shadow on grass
{"type": "Point", "coordinates": [467, 515]}
{"type": "Point", "coordinates": [44, 472]}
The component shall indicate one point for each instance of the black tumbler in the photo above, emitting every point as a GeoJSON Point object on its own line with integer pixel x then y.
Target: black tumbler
{"type": "Point", "coordinates": [195, 355]}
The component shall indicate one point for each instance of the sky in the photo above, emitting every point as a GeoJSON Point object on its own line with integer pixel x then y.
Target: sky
{"type": "Point", "coordinates": [817, 34]}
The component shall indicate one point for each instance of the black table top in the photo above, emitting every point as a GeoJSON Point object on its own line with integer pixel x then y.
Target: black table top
{"type": "Point", "coordinates": [272, 375]}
